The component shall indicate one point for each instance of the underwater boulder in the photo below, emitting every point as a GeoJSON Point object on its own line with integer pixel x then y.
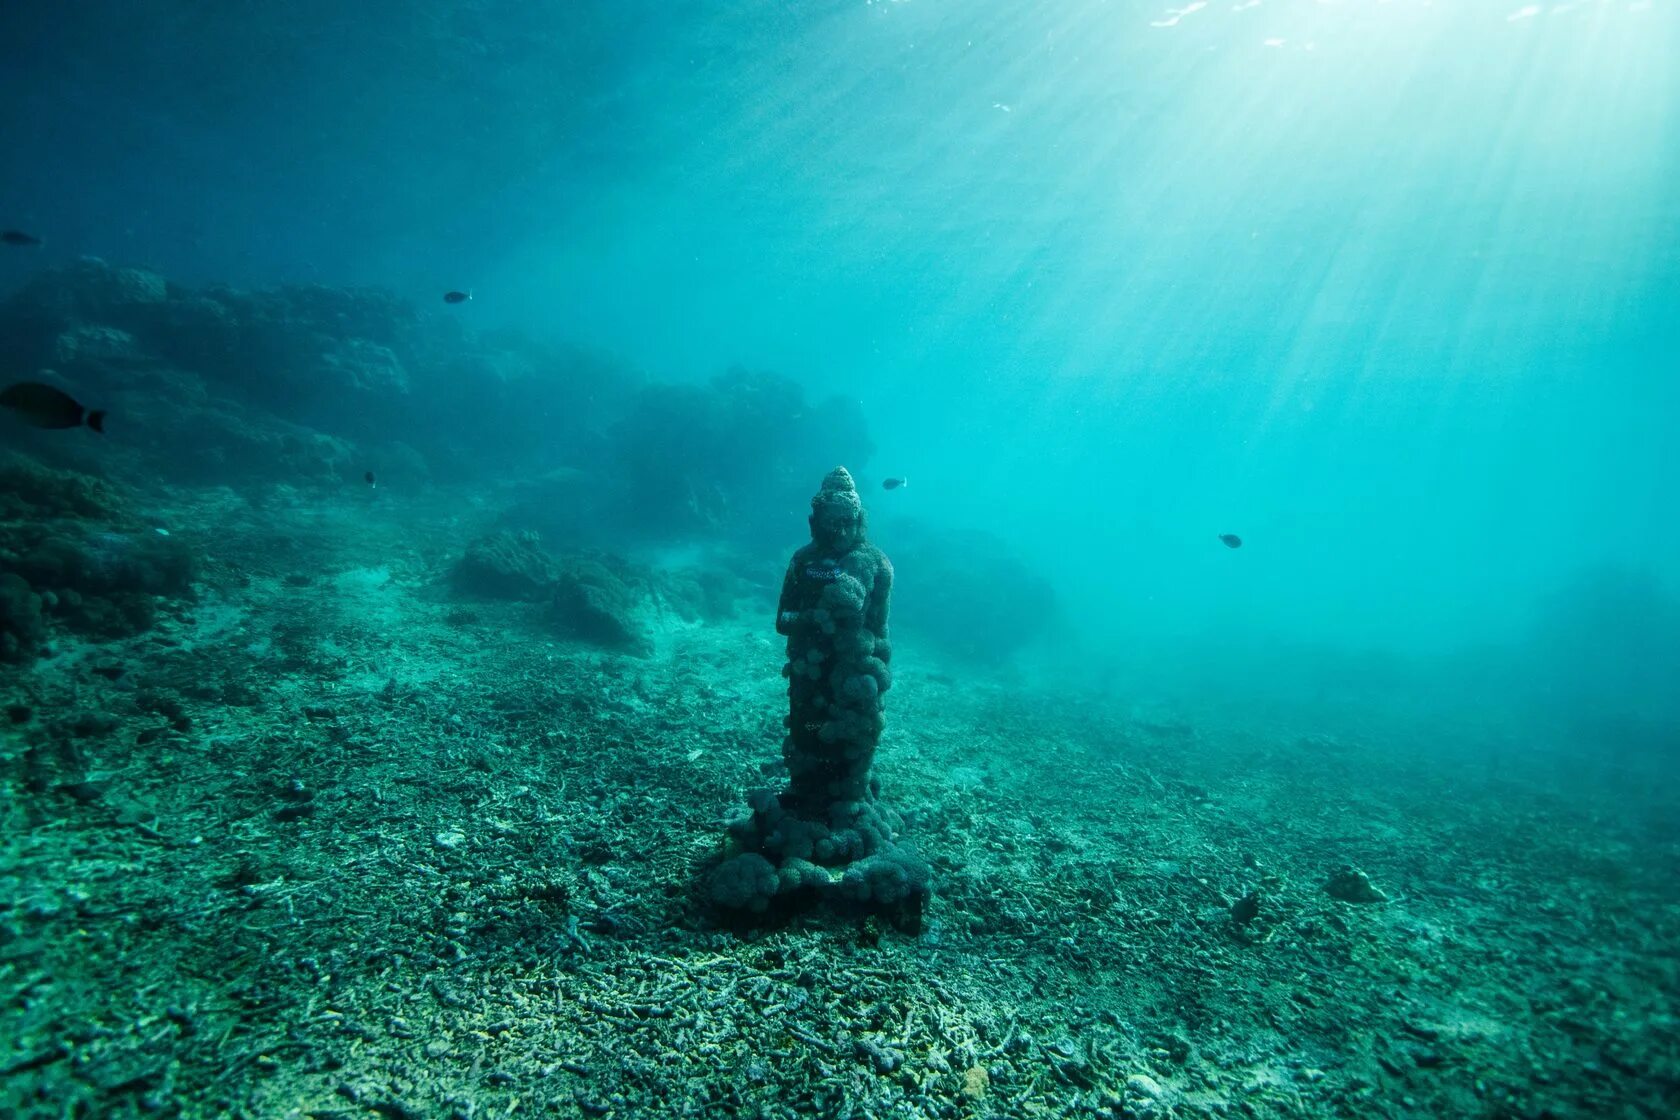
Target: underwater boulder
{"type": "Point", "coordinates": [593, 598]}
{"type": "Point", "coordinates": [73, 555]}
{"type": "Point", "coordinates": [198, 332]}
{"type": "Point", "coordinates": [398, 462]}
{"type": "Point", "coordinates": [89, 289]}
{"type": "Point", "coordinates": [507, 565]}
{"type": "Point", "coordinates": [180, 430]}
{"type": "Point", "coordinates": [36, 493]}
{"type": "Point", "coordinates": [335, 359]}
{"type": "Point", "coordinates": [103, 582]}
{"type": "Point", "coordinates": [86, 293]}
{"type": "Point", "coordinates": [362, 367]}
{"type": "Point", "coordinates": [1349, 884]}
{"type": "Point", "coordinates": [599, 605]}
{"type": "Point", "coordinates": [91, 349]}
{"type": "Point", "coordinates": [21, 625]}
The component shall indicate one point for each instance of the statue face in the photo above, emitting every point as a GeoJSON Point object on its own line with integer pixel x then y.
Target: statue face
{"type": "Point", "coordinates": [834, 527]}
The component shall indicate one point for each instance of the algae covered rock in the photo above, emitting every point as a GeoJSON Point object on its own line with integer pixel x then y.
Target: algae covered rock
{"type": "Point", "coordinates": [361, 366]}
{"type": "Point", "coordinates": [91, 289]}
{"type": "Point", "coordinates": [104, 561]}
{"type": "Point", "coordinates": [72, 555]}
{"type": "Point", "coordinates": [507, 565]}
{"type": "Point", "coordinates": [1349, 884]}
{"type": "Point", "coordinates": [91, 346]}
{"type": "Point", "coordinates": [595, 598]}
{"type": "Point", "coordinates": [600, 605]}
{"type": "Point", "coordinates": [61, 312]}
{"type": "Point", "coordinates": [194, 436]}
{"type": "Point", "coordinates": [99, 581]}
{"type": "Point", "coordinates": [21, 625]}
{"type": "Point", "coordinates": [705, 593]}
{"type": "Point", "coordinates": [34, 492]}
{"type": "Point", "coordinates": [336, 359]}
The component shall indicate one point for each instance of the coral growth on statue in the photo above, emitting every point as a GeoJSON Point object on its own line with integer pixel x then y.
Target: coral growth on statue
{"type": "Point", "coordinates": [827, 836]}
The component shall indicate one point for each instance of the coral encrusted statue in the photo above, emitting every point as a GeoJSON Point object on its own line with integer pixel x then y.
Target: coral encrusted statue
{"type": "Point", "coordinates": [826, 835]}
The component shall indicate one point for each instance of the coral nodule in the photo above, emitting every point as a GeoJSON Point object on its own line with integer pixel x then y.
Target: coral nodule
{"type": "Point", "coordinates": [826, 837]}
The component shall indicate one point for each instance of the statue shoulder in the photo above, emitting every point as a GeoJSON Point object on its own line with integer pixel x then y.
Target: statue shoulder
{"type": "Point", "coordinates": [874, 558]}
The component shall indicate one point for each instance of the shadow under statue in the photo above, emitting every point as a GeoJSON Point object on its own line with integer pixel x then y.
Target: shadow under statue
{"type": "Point", "coordinates": [826, 837]}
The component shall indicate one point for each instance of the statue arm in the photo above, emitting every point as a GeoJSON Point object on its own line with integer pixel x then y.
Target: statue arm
{"type": "Point", "coordinates": [875, 611]}
{"type": "Point", "coordinates": [787, 611]}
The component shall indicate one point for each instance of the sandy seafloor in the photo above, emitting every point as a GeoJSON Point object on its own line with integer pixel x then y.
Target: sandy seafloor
{"type": "Point", "coordinates": [409, 857]}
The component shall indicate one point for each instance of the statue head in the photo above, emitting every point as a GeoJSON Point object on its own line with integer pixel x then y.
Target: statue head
{"type": "Point", "coordinates": [837, 519]}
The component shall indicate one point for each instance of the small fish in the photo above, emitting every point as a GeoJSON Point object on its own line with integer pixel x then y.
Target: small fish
{"type": "Point", "coordinates": [1231, 540]}
{"type": "Point", "coordinates": [18, 237]}
{"type": "Point", "coordinates": [456, 297]}
{"type": "Point", "coordinates": [368, 478]}
{"type": "Point", "coordinates": [894, 483]}
{"type": "Point", "coordinates": [46, 407]}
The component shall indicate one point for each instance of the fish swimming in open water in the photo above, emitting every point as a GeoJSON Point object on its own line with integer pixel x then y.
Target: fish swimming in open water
{"type": "Point", "coordinates": [456, 297]}
{"type": "Point", "coordinates": [47, 407]}
{"type": "Point", "coordinates": [894, 483]}
{"type": "Point", "coordinates": [18, 237]}
{"type": "Point", "coordinates": [1231, 540]}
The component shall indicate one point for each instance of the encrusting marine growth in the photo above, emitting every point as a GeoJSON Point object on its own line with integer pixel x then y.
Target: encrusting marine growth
{"type": "Point", "coordinates": [826, 836]}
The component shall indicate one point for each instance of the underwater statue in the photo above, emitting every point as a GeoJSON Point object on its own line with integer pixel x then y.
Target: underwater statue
{"type": "Point", "coordinates": [833, 611]}
{"type": "Point", "coordinates": [826, 837]}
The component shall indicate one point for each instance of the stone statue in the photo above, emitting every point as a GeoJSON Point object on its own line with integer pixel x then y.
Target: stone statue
{"type": "Point", "coordinates": [834, 612]}
{"type": "Point", "coordinates": [825, 835]}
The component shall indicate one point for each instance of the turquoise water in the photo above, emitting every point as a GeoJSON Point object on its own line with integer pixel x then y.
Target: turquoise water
{"type": "Point", "coordinates": [1388, 288]}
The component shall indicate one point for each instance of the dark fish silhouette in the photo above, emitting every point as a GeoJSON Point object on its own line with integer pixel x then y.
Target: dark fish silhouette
{"type": "Point", "coordinates": [368, 478]}
{"type": "Point", "coordinates": [456, 297]}
{"type": "Point", "coordinates": [46, 407]}
{"type": "Point", "coordinates": [894, 483]}
{"type": "Point", "coordinates": [18, 237]}
{"type": "Point", "coordinates": [1231, 540]}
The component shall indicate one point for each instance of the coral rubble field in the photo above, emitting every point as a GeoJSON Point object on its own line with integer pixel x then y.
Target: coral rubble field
{"type": "Point", "coordinates": [327, 840]}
